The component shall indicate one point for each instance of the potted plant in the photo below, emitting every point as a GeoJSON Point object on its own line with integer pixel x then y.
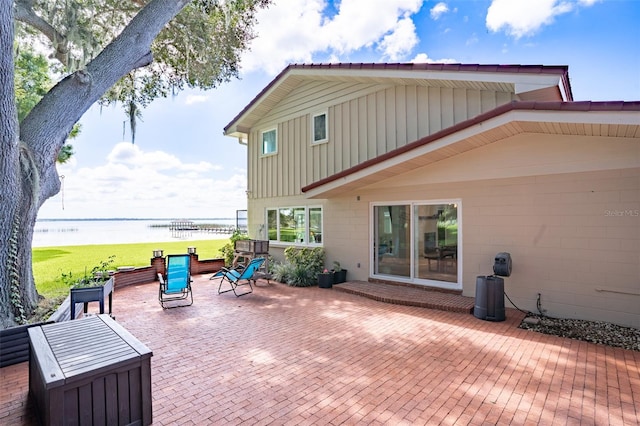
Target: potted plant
{"type": "Point", "coordinates": [325, 279]}
{"type": "Point", "coordinates": [91, 287]}
{"type": "Point", "coordinates": [339, 275]}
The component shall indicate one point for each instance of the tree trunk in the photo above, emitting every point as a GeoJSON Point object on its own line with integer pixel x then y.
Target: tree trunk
{"type": "Point", "coordinates": [28, 175]}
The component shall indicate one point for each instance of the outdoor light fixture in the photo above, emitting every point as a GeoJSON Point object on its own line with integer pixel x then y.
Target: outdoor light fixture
{"type": "Point", "coordinates": [158, 253]}
{"type": "Point", "coordinates": [191, 250]}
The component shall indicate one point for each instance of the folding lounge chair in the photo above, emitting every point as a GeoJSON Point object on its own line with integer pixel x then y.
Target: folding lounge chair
{"type": "Point", "coordinates": [239, 276]}
{"type": "Point", "coordinates": [177, 283]}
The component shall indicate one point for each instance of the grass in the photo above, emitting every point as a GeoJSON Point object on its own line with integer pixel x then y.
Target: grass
{"type": "Point", "coordinates": [49, 263]}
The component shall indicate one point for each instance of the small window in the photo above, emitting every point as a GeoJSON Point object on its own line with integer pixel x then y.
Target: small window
{"type": "Point", "coordinates": [319, 127]}
{"type": "Point", "coordinates": [269, 141]}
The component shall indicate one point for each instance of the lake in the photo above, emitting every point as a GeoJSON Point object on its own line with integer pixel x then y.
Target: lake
{"type": "Point", "coordinates": [58, 232]}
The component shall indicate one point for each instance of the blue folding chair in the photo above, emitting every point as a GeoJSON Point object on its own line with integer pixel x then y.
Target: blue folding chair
{"type": "Point", "coordinates": [176, 285]}
{"type": "Point", "coordinates": [239, 276]}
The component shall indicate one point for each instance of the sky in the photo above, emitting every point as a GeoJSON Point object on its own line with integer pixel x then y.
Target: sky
{"type": "Point", "coordinates": [182, 166]}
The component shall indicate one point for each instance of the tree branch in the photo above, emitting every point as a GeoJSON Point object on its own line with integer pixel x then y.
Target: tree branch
{"type": "Point", "coordinates": [24, 13]}
{"type": "Point", "coordinates": [49, 123]}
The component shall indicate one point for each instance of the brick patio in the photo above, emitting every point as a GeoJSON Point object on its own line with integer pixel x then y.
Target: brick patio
{"type": "Point", "coordinates": [302, 356]}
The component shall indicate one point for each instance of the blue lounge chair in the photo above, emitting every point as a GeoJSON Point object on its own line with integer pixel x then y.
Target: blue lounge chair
{"type": "Point", "coordinates": [239, 276]}
{"type": "Point", "coordinates": [176, 285]}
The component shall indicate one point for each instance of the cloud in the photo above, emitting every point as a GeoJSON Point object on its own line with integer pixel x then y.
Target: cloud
{"type": "Point", "coordinates": [424, 58]}
{"type": "Point", "coordinates": [303, 31]}
{"type": "Point", "coordinates": [195, 99]}
{"type": "Point", "coordinates": [135, 183]}
{"type": "Point", "coordinates": [401, 41]}
{"type": "Point", "coordinates": [438, 10]}
{"type": "Point", "coordinates": [520, 18]}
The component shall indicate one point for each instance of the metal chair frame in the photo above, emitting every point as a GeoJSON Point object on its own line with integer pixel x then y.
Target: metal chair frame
{"type": "Point", "coordinates": [177, 284]}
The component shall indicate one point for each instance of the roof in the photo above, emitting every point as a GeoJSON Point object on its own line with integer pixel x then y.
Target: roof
{"type": "Point", "coordinates": [530, 82]}
{"type": "Point", "coordinates": [608, 119]}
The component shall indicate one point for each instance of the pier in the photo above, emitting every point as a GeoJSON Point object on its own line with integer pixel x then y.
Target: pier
{"type": "Point", "coordinates": [179, 226]}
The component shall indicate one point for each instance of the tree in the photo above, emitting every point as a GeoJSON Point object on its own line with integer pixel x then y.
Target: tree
{"type": "Point", "coordinates": [32, 82]}
{"type": "Point", "coordinates": [103, 45]}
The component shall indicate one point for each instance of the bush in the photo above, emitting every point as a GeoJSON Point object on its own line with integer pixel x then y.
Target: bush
{"type": "Point", "coordinates": [301, 266]}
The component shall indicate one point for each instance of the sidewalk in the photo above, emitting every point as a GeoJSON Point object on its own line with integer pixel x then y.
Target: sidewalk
{"type": "Point", "coordinates": [309, 356]}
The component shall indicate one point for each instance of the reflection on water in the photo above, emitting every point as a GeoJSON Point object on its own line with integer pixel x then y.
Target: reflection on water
{"type": "Point", "coordinates": [82, 232]}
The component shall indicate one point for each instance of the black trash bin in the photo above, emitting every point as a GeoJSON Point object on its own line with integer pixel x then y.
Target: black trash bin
{"type": "Point", "coordinates": [489, 303]}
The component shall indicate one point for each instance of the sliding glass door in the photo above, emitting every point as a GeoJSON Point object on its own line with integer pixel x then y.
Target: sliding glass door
{"type": "Point", "coordinates": [417, 242]}
{"type": "Point", "coordinates": [392, 240]}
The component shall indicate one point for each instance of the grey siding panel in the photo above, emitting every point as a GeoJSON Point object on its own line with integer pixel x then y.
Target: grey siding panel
{"type": "Point", "coordinates": [435, 115]}
{"type": "Point", "coordinates": [363, 152]}
{"type": "Point", "coordinates": [351, 151]}
{"type": "Point", "coordinates": [335, 129]}
{"type": "Point", "coordinates": [381, 124]}
{"type": "Point", "coordinates": [372, 127]}
{"type": "Point", "coordinates": [446, 108]}
{"type": "Point", "coordinates": [460, 105]}
{"type": "Point", "coordinates": [423, 111]}
{"type": "Point", "coordinates": [412, 113]}
{"type": "Point", "coordinates": [390, 106]}
{"type": "Point", "coordinates": [474, 103]}
{"type": "Point", "coordinates": [401, 116]}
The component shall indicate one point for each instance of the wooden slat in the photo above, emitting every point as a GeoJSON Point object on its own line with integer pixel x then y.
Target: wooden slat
{"type": "Point", "coordinates": [98, 399]}
{"type": "Point", "coordinates": [85, 406]}
{"type": "Point", "coordinates": [111, 401]}
{"type": "Point", "coordinates": [124, 414]}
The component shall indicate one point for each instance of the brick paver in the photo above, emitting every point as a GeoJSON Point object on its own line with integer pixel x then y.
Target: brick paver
{"type": "Point", "coordinates": [303, 356]}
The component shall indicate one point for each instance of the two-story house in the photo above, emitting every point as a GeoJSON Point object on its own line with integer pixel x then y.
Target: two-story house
{"type": "Point", "coordinates": [420, 173]}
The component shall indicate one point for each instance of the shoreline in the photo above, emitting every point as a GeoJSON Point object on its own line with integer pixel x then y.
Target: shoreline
{"type": "Point", "coordinates": [211, 237]}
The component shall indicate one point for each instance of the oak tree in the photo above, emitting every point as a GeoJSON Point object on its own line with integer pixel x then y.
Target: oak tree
{"type": "Point", "coordinates": [108, 51]}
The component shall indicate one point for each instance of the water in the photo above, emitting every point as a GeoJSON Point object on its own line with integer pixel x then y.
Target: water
{"type": "Point", "coordinates": [49, 233]}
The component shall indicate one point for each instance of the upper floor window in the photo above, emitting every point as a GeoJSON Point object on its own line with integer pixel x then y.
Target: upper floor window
{"type": "Point", "coordinates": [319, 124]}
{"type": "Point", "coordinates": [269, 141]}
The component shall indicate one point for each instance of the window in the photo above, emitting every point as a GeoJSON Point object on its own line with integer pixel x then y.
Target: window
{"type": "Point", "coordinates": [319, 127]}
{"type": "Point", "coordinates": [296, 225]}
{"type": "Point", "coordinates": [269, 141]}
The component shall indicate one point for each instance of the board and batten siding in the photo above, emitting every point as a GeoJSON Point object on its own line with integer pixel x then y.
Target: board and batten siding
{"type": "Point", "coordinates": [365, 121]}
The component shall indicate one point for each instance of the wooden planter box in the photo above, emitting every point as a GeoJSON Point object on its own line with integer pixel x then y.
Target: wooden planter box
{"type": "Point", "coordinates": [252, 246]}
{"type": "Point", "coordinates": [92, 294]}
{"type": "Point", "coordinates": [89, 371]}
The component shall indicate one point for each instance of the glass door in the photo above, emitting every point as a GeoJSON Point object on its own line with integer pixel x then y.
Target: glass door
{"type": "Point", "coordinates": [435, 252]}
{"type": "Point", "coordinates": [416, 242]}
{"type": "Point", "coordinates": [392, 240]}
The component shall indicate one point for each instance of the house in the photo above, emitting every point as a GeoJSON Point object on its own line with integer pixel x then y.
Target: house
{"type": "Point", "coordinates": [420, 173]}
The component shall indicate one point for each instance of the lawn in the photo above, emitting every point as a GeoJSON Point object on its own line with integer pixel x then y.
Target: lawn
{"type": "Point", "coordinates": [49, 263]}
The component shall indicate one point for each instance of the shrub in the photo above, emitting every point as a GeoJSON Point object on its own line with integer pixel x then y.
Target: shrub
{"type": "Point", "coordinates": [301, 266]}
{"type": "Point", "coordinates": [282, 271]}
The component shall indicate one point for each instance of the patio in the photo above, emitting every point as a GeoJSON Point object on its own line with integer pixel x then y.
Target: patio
{"type": "Point", "coordinates": [317, 356]}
